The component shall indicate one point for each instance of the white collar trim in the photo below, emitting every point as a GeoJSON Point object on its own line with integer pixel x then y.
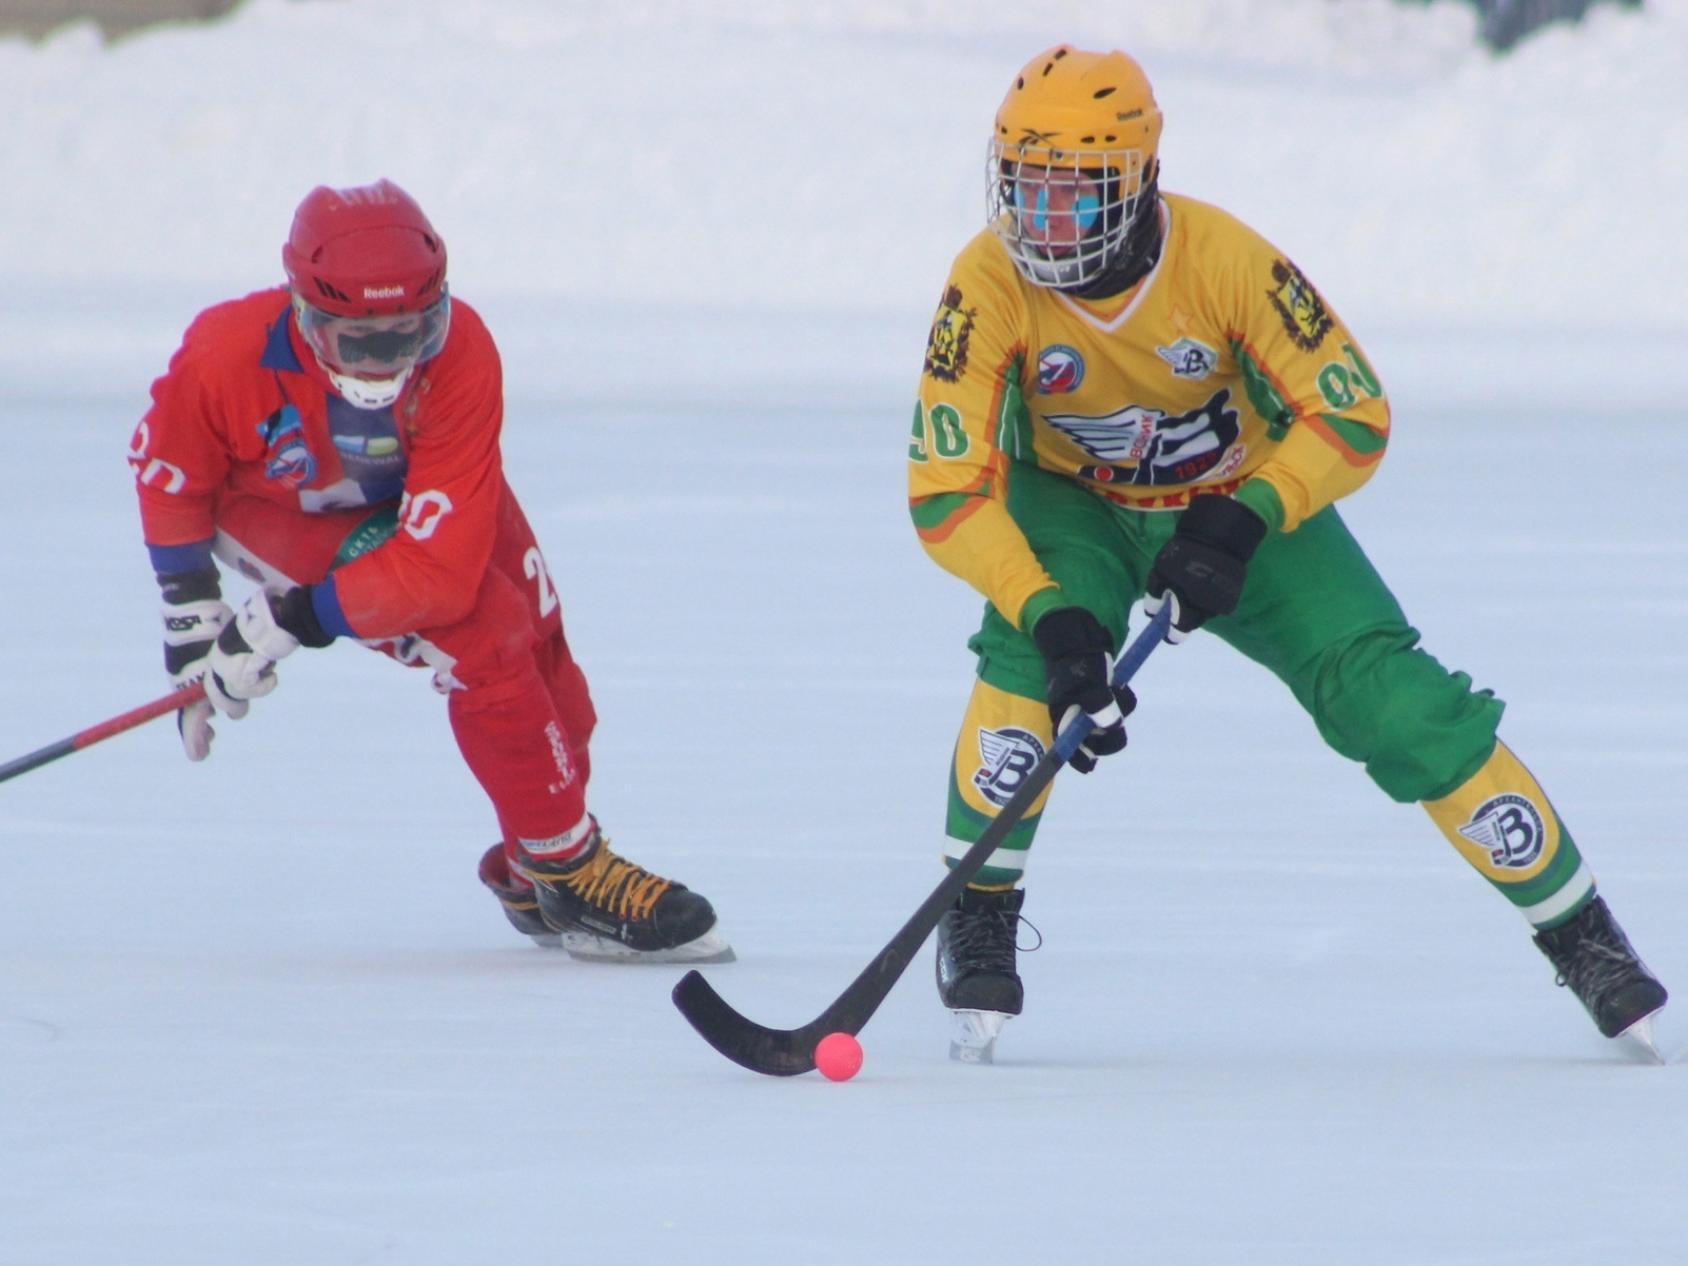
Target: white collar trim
{"type": "Point", "coordinates": [1143, 286]}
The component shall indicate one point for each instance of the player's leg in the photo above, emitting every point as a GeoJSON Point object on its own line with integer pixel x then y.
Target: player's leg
{"type": "Point", "coordinates": [1318, 615]}
{"type": "Point", "coordinates": [1501, 821]}
{"type": "Point", "coordinates": [1006, 730]}
{"type": "Point", "coordinates": [279, 548]}
{"type": "Point", "coordinates": [520, 713]}
{"type": "Point", "coordinates": [523, 718]}
{"type": "Point", "coordinates": [516, 553]}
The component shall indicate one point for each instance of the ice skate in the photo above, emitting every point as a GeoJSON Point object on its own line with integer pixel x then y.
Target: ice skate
{"type": "Point", "coordinates": [517, 898]}
{"type": "Point", "coordinates": [977, 978]}
{"type": "Point", "coordinates": [604, 908]}
{"type": "Point", "coordinates": [1591, 956]}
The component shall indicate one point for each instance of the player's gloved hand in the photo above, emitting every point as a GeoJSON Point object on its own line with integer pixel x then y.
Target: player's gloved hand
{"type": "Point", "coordinates": [194, 613]}
{"type": "Point", "coordinates": [1202, 568]}
{"type": "Point", "coordinates": [265, 629]}
{"type": "Point", "coordinates": [1078, 653]}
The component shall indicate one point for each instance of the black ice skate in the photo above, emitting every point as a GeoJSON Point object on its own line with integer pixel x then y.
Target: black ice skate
{"type": "Point", "coordinates": [977, 979]}
{"type": "Point", "coordinates": [604, 907]}
{"type": "Point", "coordinates": [1591, 955]}
{"type": "Point", "coordinates": [519, 902]}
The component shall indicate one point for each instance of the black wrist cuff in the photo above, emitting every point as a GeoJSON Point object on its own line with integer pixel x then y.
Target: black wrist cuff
{"type": "Point", "coordinates": [183, 587]}
{"type": "Point", "coordinates": [1070, 631]}
{"type": "Point", "coordinates": [294, 613]}
{"type": "Point", "coordinates": [1224, 523]}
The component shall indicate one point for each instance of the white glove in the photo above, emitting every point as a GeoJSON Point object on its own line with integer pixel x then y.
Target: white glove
{"type": "Point", "coordinates": [190, 631]}
{"type": "Point", "coordinates": [242, 662]}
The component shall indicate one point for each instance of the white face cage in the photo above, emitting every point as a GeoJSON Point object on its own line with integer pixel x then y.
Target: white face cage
{"type": "Point", "coordinates": [1062, 214]}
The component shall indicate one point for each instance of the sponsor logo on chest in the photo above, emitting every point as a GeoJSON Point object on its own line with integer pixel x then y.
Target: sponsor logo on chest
{"type": "Point", "coordinates": [1148, 447]}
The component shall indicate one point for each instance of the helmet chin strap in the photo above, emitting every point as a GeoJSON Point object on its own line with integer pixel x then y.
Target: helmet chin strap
{"type": "Point", "coordinates": [367, 393]}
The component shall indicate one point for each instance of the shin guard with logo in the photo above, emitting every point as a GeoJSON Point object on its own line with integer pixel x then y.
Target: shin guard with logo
{"type": "Point", "coordinates": [1501, 822]}
{"type": "Point", "coordinates": [1002, 737]}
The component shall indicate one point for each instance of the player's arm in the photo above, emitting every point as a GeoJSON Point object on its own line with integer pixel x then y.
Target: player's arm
{"type": "Point", "coordinates": [1307, 377]}
{"type": "Point", "coordinates": [180, 461]}
{"type": "Point", "coordinates": [957, 469]}
{"type": "Point", "coordinates": [1308, 380]}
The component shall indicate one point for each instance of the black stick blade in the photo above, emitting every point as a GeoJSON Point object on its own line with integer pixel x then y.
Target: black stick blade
{"type": "Point", "coordinates": [775, 1052]}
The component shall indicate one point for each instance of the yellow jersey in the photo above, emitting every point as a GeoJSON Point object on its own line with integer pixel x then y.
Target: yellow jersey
{"type": "Point", "coordinates": [1222, 370]}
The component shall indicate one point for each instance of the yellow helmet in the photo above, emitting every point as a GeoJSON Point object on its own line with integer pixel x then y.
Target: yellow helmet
{"type": "Point", "coordinates": [1072, 168]}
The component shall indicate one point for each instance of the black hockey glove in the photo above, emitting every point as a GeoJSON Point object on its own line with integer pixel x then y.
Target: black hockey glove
{"type": "Point", "coordinates": [1202, 568]}
{"type": "Point", "coordinates": [194, 613]}
{"type": "Point", "coordinates": [265, 629]}
{"type": "Point", "coordinates": [1079, 655]}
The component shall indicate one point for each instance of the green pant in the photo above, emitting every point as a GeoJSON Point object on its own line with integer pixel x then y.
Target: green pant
{"type": "Point", "coordinates": [1314, 611]}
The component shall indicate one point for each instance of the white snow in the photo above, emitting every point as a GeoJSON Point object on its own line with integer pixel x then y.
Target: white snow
{"type": "Point", "coordinates": [259, 1012]}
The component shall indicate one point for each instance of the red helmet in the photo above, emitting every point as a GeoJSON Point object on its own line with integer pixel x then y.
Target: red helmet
{"type": "Point", "coordinates": [364, 251]}
{"type": "Point", "coordinates": [369, 292]}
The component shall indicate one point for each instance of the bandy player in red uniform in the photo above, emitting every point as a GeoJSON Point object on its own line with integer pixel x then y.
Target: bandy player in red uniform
{"type": "Point", "coordinates": [336, 440]}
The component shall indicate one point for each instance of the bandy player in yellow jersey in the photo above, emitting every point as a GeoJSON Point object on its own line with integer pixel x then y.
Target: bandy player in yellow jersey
{"type": "Point", "coordinates": [1129, 393]}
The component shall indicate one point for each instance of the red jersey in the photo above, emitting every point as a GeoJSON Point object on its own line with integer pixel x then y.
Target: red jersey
{"type": "Point", "coordinates": [245, 408]}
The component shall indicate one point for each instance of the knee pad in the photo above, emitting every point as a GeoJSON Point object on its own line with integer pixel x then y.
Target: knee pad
{"type": "Point", "coordinates": [1420, 730]}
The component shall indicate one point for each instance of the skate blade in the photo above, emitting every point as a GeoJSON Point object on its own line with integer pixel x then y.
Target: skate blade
{"type": "Point", "coordinates": [973, 1035]}
{"type": "Point", "coordinates": [1639, 1040]}
{"type": "Point", "coordinates": [711, 947]}
{"type": "Point", "coordinates": [546, 940]}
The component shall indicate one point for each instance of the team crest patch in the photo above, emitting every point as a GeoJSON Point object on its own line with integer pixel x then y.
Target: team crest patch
{"type": "Point", "coordinates": [1189, 359]}
{"type": "Point", "coordinates": [1299, 305]}
{"type": "Point", "coordinates": [1510, 827]}
{"type": "Point", "coordinates": [946, 345]}
{"type": "Point", "coordinates": [1008, 755]}
{"type": "Point", "coordinates": [1060, 369]}
{"type": "Point", "coordinates": [288, 460]}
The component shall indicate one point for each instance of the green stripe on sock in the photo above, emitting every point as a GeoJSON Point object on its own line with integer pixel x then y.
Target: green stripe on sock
{"type": "Point", "coordinates": [1545, 885]}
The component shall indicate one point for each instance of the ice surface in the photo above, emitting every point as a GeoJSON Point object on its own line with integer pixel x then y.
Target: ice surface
{"type": "Point", "coordinates": [259, 1012]}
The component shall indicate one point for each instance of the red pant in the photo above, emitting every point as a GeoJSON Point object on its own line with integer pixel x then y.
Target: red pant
{"type": "Point", "coordinates": [519, 706]}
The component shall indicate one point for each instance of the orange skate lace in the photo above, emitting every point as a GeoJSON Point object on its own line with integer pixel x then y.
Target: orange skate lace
{"type": "Point", "coordinates": [612, 883]}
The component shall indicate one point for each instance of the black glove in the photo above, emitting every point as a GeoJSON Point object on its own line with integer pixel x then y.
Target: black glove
{"type": "Point", "coordinates": [1203, 566]}
{"type": "Point", "coordinates": [1079, 655]}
